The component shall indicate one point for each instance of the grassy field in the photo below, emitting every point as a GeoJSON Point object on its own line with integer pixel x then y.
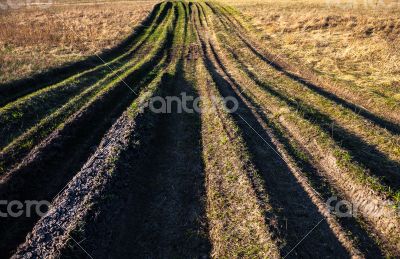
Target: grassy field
{"type": "Point", "coordinates": [34, 39]}
{"type": "Point", "coordinates": [352, 44]}
{"type": "Point", "coordinates": [356, 44]}
{"type": "Point", "coordinates": [294, 153]}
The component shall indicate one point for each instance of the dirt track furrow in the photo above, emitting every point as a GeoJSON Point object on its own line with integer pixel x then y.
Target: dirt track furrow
{"type": "Point", "coordinates": [55, 160]}
{"type": "Point", "coordinates": [256, 180]}
{"type": "Point", "coordinates": [278, 178]}
{"type": "Point", "coordinates": [23, 144]}
{"type": "Point", "coordinates": [169, 210]}
{"type": "Point", "coordinates": [373, 159]}
{"type": "Point", "coordinates": [123, 140]}
{"type": "Point", "coordinates": [368, 246]}
{"type": "Point", "coordinates": [357, 143]}
{"type": "Point", "coordinates": [175, 193]}
{"type": "Point", "coordinates": [310, 80]}
{"type": "Point", "coordinates": [171, 213]}
{"type": "Point", "coordinates": [24, 113]}
{"type": "Point", "coordinates": [386, 173]}
{"type": "Point", "coordinates": [62, 156]}
{"type": "Point", "coordinates": [324, 109]}
{"type": "Point", "coordinates": [236, 201]}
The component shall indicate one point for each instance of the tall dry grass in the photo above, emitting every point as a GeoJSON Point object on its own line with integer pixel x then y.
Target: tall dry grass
{"type": "Point", "coordinates": [356, 43]}
{"type": "Point", "coordinates": [34, 39]}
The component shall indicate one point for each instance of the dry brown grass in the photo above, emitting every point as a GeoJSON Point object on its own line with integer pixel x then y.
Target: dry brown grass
{"type": "Point", "coordinates": [35, 39]}
{"type": "Point", "coordinates": [354, 43]}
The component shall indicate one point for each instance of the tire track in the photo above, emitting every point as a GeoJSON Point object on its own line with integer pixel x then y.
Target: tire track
{"type": "Point", "coordinates": [299, 211]}
{"type": "Point", "coordinates": [235, 208]}
{"type": "Point", "coordinates": [340, 226]}
{"type": "Point", "coordinates": [368, 207]}
{"type": "Point", "coordinates": [99, 177]}
{"type": "Point", "coordinates": [311, 81]}
{"type": "Point", "coordinates": [385, 168]}
{"type": "Point", "coordinates": [21, 146]}
{"type": "Point", "coordinates": [24, 113]}
{"type": "Point", "coordinates": [378, 201]}
{"type": "Point", "coordinates": [254, 183]}
{"type": "Point", "coordinates": [166, 210]}
{"type": "Point", "coordinates": [169, 210]}
{"type": "Point", "coordinates": [367, 245]}
{"type": "Point", "coordinates": [53, 163]}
